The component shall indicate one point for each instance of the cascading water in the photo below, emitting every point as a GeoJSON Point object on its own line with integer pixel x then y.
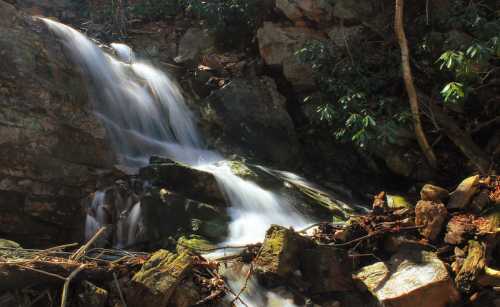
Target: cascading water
{"type": "Point", "coordinates": [145, 114]}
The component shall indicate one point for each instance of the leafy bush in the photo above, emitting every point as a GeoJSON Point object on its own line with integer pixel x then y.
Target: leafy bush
{"type": "Point", "coordinates": [355, 99]}
{"type": "Point", "coordinates": [157, 9]}
{"type": "Point", "coordinates": [234, 21]}
{"type": "Point", "coordinates": [470, 66]}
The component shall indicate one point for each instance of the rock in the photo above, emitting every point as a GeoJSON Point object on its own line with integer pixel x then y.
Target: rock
{"type": "Point", "coordinates": [298, 74]}
{"type": "Point", "coordinates": [434, 193]}
{"type": "Point", "coordinates": [158, 279]}
{"type": "Point", "coordinates": [277, 46]}
{"type": "Point", "coordinates": [411, 278]}
{"type": "Point", "coordinates": [353, 9]}
{"type": "Point", "coordinates": [432, 215]}
{"type": "Point", "coordinates": [193, 242]}
{"type": "Point", "coordinates": [481, 200]}
{"type": "Point", "coordinates": [91, 295]}
{"type": "Point", "coordinates": [248, 117]}
{"type": "Point", "coordinates": [463, 194]}
{"type": "Point", "coordinates": [184, 180]}
{"type": "Point", "coordinates": [186, 295]}
{"type": "Point", "coordinates": [326, 269]}
{"type": "Point", "coordinates": [182, 215]}
{"type": "Point", "coordinates": [340, 35]}
{"type": "Point", "coordinates": [193, 43]}
{"type": "Point", "coordinates": [398, 202]}
{"type": "Point", "coordinates": [65, 10]}
{"type": "Point", "coordinates": [319, 11]}
{"type": "Point", "coordinates": [279, 256]}
{"type": "Point", "coordinates": [459, 229]}
{"type": "Point", "coordinates": [52, 147]}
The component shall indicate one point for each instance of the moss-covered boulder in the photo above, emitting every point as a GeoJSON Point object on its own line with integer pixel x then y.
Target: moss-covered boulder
{"type": "Point", "coordinates": [193, 242]}
{"type": "Point", "coordinates": [158, 279]}
{"type": "Point", "coordinates": [280, 254]}
{"type": "Point", "coordinates": [169, 214]}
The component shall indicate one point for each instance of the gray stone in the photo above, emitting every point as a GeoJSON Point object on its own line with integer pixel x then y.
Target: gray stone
{"type": "Point", "coordinates": [193, 43]}
{"type": "Point", "coordinates": [248, 117]}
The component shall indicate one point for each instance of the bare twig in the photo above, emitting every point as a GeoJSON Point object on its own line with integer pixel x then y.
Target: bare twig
{"type": "Point", "coordinates": [64, 295]}
{"type": "Point", "coordinates": [41, 272]}
{"type": "Point", "coordinates": [81, 251]}
{"type": "Point", "coordinates": [117, 284]}
{"type": "Point", "coordinates": [245, 285]}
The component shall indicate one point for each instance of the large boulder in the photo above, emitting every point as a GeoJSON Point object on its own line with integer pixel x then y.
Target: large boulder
{"type": "Point", "coordinates": [280, 254]}
{"type": "Point", "coordinates": [278, 45]}
{"type": "Point", "coordinates": [52, 148]}
{"type": "Point", "coordinates": [249, 118]}
{"type": "Point", "coordinates": [411, 278]}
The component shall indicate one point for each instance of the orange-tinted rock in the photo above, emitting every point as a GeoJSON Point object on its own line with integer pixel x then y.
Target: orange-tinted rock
{"type": "Point", "coordinates": [432, 216]}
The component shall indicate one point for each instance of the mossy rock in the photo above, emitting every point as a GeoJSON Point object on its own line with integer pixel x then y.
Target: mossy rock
{"type": "Point", "coordinates": [159, 278]}
{"type": "Point", "coordinates": [193, 242]}
{"type": "Point", "coordinates": [280, 254]}
{"type": "Point", "coordinates": [398, 202]}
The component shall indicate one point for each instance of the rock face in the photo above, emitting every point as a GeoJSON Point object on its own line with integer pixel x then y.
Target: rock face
{"type": "Point", "coordinates": [315, 10]}
{"type": "Point", "coordinates": [158, 279]}
{"type": "Point", "coordinates": [412, 278]}
{"type": "Point", "coordinates": [277, 46]}
{"type": "Point", "coordinates": [432, 216]}
{"type": "Point", "coordinates": [51, 146]}
{"type": "Point", "coordinates": [249, 118]}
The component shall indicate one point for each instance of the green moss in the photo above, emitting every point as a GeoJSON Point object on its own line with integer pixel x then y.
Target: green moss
{"type": "Point", "coordinates": [398, 202]}
{"type": "Point", "coordinates": [193, 242]}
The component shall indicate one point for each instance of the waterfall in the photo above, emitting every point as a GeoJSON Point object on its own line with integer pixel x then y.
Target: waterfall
{"type": "Point", "coordinates": [145, 114]}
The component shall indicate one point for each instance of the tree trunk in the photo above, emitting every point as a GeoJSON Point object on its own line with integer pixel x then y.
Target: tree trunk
{"type": "Point", "coordinates": [410, 86]}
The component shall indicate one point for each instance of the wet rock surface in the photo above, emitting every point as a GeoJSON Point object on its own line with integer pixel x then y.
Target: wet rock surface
{"type": "Point", "coordinates": [52, 148]}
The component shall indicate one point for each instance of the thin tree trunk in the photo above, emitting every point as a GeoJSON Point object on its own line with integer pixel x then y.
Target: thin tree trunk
{"type": "Point", "coordinates": [410, 86]}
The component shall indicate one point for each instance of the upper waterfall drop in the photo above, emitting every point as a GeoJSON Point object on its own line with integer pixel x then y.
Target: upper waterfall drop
{"type": "Point", "coordinates": [145, 114]}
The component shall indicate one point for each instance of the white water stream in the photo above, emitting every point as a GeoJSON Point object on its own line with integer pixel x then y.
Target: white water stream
{"type": "Point", "coordinates": [145, 114]}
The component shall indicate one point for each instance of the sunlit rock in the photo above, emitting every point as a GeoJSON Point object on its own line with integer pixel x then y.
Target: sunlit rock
{"type": "Point", "coordinates": [279, 256]}
{"type": "Point", "coordinates": [412, 278]}
{"type": "Point", "coordinates": [434, 193]}
{"type": "Point", "coordinates": [463, 194]}
{"type": "Point", "coordinates": [431, 216]}
{"type": "Point", "coordinates": [158, 279]}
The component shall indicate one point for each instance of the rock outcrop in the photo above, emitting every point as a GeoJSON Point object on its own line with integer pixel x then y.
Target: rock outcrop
{"type": "Point", "coordinates": [249, 118]}
{"type": "Point", "coordinates": [52, 148]}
